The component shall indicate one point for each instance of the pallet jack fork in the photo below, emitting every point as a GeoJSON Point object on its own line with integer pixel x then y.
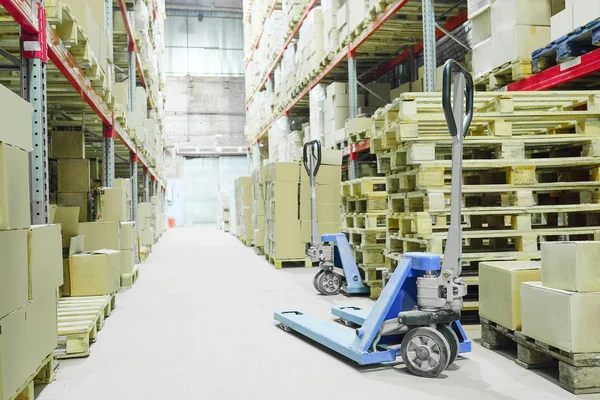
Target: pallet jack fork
{"type": "Point", "coordinates": [417, 315]}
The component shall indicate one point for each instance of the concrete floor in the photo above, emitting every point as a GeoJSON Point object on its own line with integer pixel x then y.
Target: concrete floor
{"type": "Point", "coordinates": [199, 325]}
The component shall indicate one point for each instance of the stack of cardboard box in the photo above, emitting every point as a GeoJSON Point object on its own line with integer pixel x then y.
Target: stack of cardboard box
{"type": "Point", "coordinates": [507, 30]}
{"type": "Point", "coordinates": [74, 178]}
{"type": "Point", "coordinates": [243, 207]}
{"type": "Point", "coordinates": [283, 232]}
{"type": "Point", "coordinates": [145, 224]}
{"type": "Point", "coordinates": [310, 49]}
{"type": "Point", "coordinates": [328, 196]}
{"type": "Point", "coordinates": [336, 113]}
{"type": "Point", "coordinates": [125, 185]}
{"type": "Point", "coordinates": [258, 208]}
{"type": "Point", "coordinates": [562, 310]}
{"type": "Point", "coordinates": [31, 266]}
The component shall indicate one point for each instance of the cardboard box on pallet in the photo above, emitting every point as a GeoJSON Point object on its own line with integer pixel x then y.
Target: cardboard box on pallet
{"type": "Point", "coordinates": [100, 235]}
{"type": "Point", "coordinates": [560, 318]}
{"type": "Point", "coordinates": [68, 219]}
{"type": "Point", "coordinates": [517, 42]}
{"type": "Point", "coordinates": [67, 144]}
{"type": "Point", "coordinates": [73, 176]}
{"type": "Point", "coordinates": [571, 266]}
{"type": "Point", "coordinates": [127, 234]}
{"type": "Point", "coordinates": [507, 14]}
{"type": "Point", "coordinates": [111, 204]}
{"type": "Point", "coordinates": [79, 200]}
{"type": "Point", "coordinates": [500, 290]}
{"type": "Point", "coordinates": [96, 273]}
{"type": "Point", "coordinates": [14, 189]}
{"type": "Point", "coordinates": [14, 277]}
{"type": "Point", "coordinates": [125, 185]}
{"type": "Point", "coordinates": [323, 227]}
{"type": "Point", "coordinates": [14, 352]}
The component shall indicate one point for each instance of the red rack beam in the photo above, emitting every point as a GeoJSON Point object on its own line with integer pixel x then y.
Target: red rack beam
{"type": "Point", "coordinates": [560, 74]}
{"type": "Point", "coordinates": [454, 23]}
{"type": "Point", "coordinates": [280, 56]}
{"type": "Point", "coordinates": [24, 12]}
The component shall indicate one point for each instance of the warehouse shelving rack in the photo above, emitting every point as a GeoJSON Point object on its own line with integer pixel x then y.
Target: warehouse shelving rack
{"type": "Point", "coordinates": [373, 51]}
{"type": "Point", "coordinates": [63, 90]}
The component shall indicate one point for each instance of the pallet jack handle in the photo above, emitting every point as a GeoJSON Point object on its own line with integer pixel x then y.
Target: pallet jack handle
{"type": "Point", "coordinates": [311, 158]}
{"type": "Point", "coordinates": [458, 117]}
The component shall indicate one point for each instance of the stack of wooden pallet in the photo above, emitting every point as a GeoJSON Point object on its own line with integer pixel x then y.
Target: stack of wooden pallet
{"type": "Point", "coordinates": [364, 204]}
{"type": "Point", "coordinates": [531, 174]}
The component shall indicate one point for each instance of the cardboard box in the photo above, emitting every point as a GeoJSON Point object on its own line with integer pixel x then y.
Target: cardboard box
{"type": "Point", "coordinates": [483, 54]}
{"type": "Point", "coordinates": [127, 235]}
{"type": "Point", "coordinates": [111, 204]}
{"type": "Point", "coordinates": [147, 237]}
{"type": "Point", "coordinates": [14, 276]}
{"type": "Point", "coordinates": [16, 115]}
{"type": "Point", "coordinates": [571, 266]}
{"type": "Point", "coordinates": [68, 218]}
{"type": "Point", "coordinates": [474, 7]}
{"type": "Point", "coordinates": [67, 144]}
{"type": "Point", "coordinates": [14, 188]}
{"type": "Point", "coordinates": [286, 236]}
{"type": "Point", "coordinates": [326, 213]}
{"type": "Point", "coordinates": [65, 289]}
{"type": "Point", "coordinates": [500, 290]}
{"type": "Point", "coordinates": [327, 175]}
{"type": "Point", "coordinates": [73, 176]}
{"type": "Point", "coordinates": [327, 194]}
{"type": "Point", "coordinates": [324, 228]}
{"type": "Point", "coordinates": [518, 42]}
{"type": "Point", "coordinates": [481, 26]}
{"type": "Point", "coordinates": [95, 274]}
{"type": "Point", "coordinates": [127, 262]}
{"type": "Point", "coordinates": [283, 171]}
{"type": "Point", "coordinates": [144, 212]}
{"type": "Point", "coordinates": [45, 260]}
{"type": "Point", "coordinates": [358, 124]}
{"type": "Point", "coordinates": [100, 235]}
{"type": "Point", "coordinates": [559, 318]}
{"type": "Point", "coordinates": [562, 23]}
{"type": "Point", "coordinates": [508, 13]}
{"type": "Point", "coordinates": [41, 328]}
{"type": "Point", "coordinates": [13, 346]}
{"type": "Point", "coordinates": [79, 200]}
{"type": "Point", "coordinates": [585, 11]}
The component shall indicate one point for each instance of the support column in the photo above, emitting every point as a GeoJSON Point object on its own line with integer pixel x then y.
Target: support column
{"type": "Point", "coordinates": [429, 50]}
{"type": "Point", "coordinates": [131, 73]}
{"type": "Point", "coordinates": [153, 186]}
{"type": "Point", "coordinates": [33, 89]}
{"type": "Point", "coordinates": [353, 111]}
{"type": "Point", "coordinates": [108, 153]}
{"type": "Point", "coordinates": [145, 182]}
{"type": "Point", "coordinates": [133, 173]}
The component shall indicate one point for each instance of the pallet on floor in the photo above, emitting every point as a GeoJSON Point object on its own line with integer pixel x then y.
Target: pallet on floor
{"type": "Point", "coordinates": [579, 373]}
{"type": "Point", "coordinates": [128, 280]}
{"type": "Point", "coordinates": [43, 375]}
{"type": "Point", "coordinates": [285, 263]}
{"type": "Point", "coordinates": [79, 320]}
{"type": "Point", "coordinates": [260, 250]}
{"type": "Point", "coordinates": [568, 47]}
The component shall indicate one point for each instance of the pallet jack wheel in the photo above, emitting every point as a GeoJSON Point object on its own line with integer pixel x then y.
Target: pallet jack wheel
{"type": "Point", "coordinates": [316, 280]}
{"type": "Point", "coordinates": [425, 352]}
{"type": "Point", "coordinates": [452, 339]}
{"type": "Point", "coordinates": [328, 283]}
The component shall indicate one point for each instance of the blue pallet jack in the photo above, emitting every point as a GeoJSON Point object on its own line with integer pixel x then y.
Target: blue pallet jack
{"type": "Point", "coordinates": [337, 268]}
{"type": "Point", "coordinates": [417, 315]}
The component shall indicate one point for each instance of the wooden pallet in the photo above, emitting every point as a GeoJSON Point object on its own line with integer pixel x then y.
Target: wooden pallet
{"type": "Point", "coordinates": [579, 373]}
{"type": "Point", "coordinates": [285, 263]}
{"type": "Point", "coordinates": [365, 220]}
{"type": "Point", "coordinates": [506, 73]}
{"type": "Point", "coordinates": [363, 186]}
{"type": "Point", "coordinates": [43, 375]}
{"type": "Point", "coordinates": [568, 47]}
{"type": "Point", "coordinates": [367, 239]}
{"type": "Point", "coordinates": [79, 320]}
{"type": "Point", "coordinates": [372, 202]}
{"type": "Point", "coordinates": [260, 250]}
{"type": "Point", "coordinates": [128, 280]}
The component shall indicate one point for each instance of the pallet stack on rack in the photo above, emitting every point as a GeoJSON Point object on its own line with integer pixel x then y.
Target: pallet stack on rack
{"type": "Point", "coordinates": [529, 174]}
{"type": "Point", "coordinates": [364, 204]}
{"type": "Point", "coordinates": [243, 209]}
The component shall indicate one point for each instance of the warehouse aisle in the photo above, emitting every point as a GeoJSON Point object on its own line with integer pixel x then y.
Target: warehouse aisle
{"type": "Point", "coordinates": [198, 325]}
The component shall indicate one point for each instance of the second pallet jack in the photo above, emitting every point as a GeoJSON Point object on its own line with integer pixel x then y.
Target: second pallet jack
{"type": "Point", "coordinates": [417, 314]}
{"type": "Point", "coordinates": [338, 270]}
